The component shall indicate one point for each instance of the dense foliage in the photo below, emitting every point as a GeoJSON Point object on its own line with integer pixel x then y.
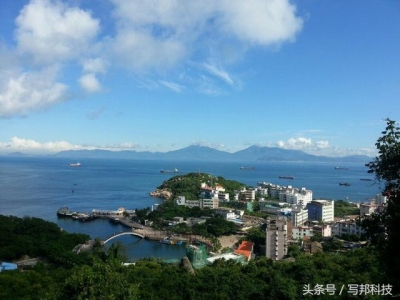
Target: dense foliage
{"type": "Point", "coordinates": [100, 275]}
{"type": "Point", "coordinates": [382, 228]}
{"type": "Point", "coordinates": [189, 185]}
{"type": "Point", "coordinates": [344, 208]}
{"type": "Point", "coordinates": [34, 237]}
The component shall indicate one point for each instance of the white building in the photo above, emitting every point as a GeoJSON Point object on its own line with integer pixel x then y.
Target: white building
{"type": "Point", "coordinates": [202, 203]}
{"type": "Point", "coordinates": [226, 213]}
{"type": "Point", "coordinates": [346, 227]}
{"type": "Point", "coordinates": [301, 231]}
{"type": "Point", "coordinates": [299, 216]}
{"type": "Point", "coordinates": [321, 210]}
{"type": "Point", "coordinates": [380, 199]}
{"type": "Point", "coordinates": [296, 196]}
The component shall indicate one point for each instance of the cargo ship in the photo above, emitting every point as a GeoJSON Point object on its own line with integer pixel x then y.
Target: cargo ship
{"type": "Point", "coordinates": [74, 165]}
{"type": "Point", "coordinates": [286, 177]}
{"type": "Point", "coordinates": [170, 171]}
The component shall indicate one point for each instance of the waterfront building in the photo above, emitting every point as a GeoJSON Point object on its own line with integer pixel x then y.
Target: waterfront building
{"type": "Point", "coordinates": [321, 210]}
{"type": "Point", "coordinates": [295, 196]}
{"type": "Point", "coordinates": [276, 239]}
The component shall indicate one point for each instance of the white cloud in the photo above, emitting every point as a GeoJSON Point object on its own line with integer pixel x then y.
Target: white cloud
{"type": "Point", "coordinates": [162, 34]}
{"type": "Point", "coordinates": [94, 65]}
{"type": "Point", "coordinates": [31, 146]}
{"type": "Point", "coordinates": [90, 83]}
{"type": "Point", "coordinates": [152, 37]}
{"type": "Point", "coordinates": [24, 92]}
{"type": "Point", "coordinates": [51, 31]}
{"type": "Point", "coordinates": [172, 86]}
{"type": "Point", "coordinates": [218, 72]}
{"type": "Point", "coordinates": [260, 22]}
{"type": "Point", "coordinates": [302, 143]}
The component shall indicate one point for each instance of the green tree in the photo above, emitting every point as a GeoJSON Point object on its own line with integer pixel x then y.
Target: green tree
{"type": "Point", "coordinates": [382, 228]}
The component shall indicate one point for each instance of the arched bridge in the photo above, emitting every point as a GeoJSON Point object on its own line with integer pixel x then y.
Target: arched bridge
{"type": "Point", "coordinates": [123, 233]}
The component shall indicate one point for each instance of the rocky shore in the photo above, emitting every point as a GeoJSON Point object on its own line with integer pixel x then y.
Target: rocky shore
{"type": "Point", "coordinates": [162, 193]}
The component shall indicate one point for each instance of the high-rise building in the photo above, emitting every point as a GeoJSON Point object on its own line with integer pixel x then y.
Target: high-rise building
{"type": "Point", "coordinates": [276, 239]}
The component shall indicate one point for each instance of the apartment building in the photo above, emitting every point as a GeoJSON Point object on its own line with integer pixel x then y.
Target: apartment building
{"type": "Point", "coordinates": [296, 196]}
{"type": "Point", "coordinates": [321, 210]}
{"type": "Point", "coordinates": [276, 239]}
{"type": "Point", "coordinates": [299, 216]}
{"type": "Point", "coordinates": [301, 231]}
{"type": "Point", "coordinates": [346, 227]}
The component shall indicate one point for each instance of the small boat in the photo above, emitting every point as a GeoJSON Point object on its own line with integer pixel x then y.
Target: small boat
{"type": "Point", "coordinates": [340, 168]}
{"type": "Point", "coordinates": [286, 177]}
{"type": "Point", "coordinates": [344, 183]}
{"type": "Point", "coordinates": [78, 164]}
{"type": "Point", "coordinates": [246, 168]}
{"type": "Point", "coordinates": [64, 212]}
{"type": "Point", "coordinates": [114, 220]}
{"type": "Point", "coordinates": [366, 179]}
{"type": "Point", "coordinates": [170, 171]}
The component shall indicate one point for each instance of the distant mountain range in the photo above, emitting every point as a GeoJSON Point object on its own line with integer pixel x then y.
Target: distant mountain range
{"type": "Point", "coordinates": [253, 153]}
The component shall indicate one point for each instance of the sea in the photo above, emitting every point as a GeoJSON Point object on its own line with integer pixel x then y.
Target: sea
{"type": "Point", "coordinates": [39, 186]}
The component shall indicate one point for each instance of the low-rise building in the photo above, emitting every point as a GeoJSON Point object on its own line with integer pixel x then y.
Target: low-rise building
{"type": "Point", "coordinates": [226, 213]}
{"type": "Point", "coordinates": [342, 227]}
{"type": "Point", "coordinates": [245, 249]}
{"type": "Point", "coordinates": [301, 231]}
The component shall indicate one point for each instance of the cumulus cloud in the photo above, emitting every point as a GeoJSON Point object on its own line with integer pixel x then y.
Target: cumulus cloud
{"type": "Point", "coordinates": [90, 83]}
{"type": "Point", "coordinates": [31, 146]}
{"type": "Point", "coordinates": [51, 31]}
{"type": "Point", "coordinates": [260, 22]}
{"type": "Point", "coordinates": [302, 143]}
{"type": "Point", "coordinates": [160, 34]}
{"type": "Point", "coordinates": [153, 39]}
{"type": "Point", "coordinates": [27, 91]}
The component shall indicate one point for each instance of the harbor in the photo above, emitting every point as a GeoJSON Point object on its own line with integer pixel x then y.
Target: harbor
{"type": "Point", "coordinates": [123, 217]}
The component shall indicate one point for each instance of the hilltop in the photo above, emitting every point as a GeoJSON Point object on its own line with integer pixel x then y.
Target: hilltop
{"type": "Point", "coordinates": [188, 185]}
{"type": "Point", "coordinates": [253, 153]}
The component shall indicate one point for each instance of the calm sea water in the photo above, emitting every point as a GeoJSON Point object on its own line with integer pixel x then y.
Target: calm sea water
{"type": "Point", "coordinates": [38, 186]}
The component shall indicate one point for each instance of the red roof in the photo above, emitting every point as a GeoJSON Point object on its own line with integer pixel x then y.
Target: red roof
{"type": "Point", "coordinates": [245, 248]}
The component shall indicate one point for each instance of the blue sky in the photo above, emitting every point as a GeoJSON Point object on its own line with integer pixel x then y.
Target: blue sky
{"type": "Point", "coordinates": [314, 75]}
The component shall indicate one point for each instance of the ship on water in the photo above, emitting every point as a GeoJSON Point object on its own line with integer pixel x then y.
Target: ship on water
{"type": "Point", "coordinates": [246, 168]}
{"type": "Point", "coordinates": [170, 171]}
{"type": "Point", "coordinates": [78, 164]}
{"type": "Point", "coordinates": [344, 183]}
{"type": "Point", "coordinates": [286, 177]}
